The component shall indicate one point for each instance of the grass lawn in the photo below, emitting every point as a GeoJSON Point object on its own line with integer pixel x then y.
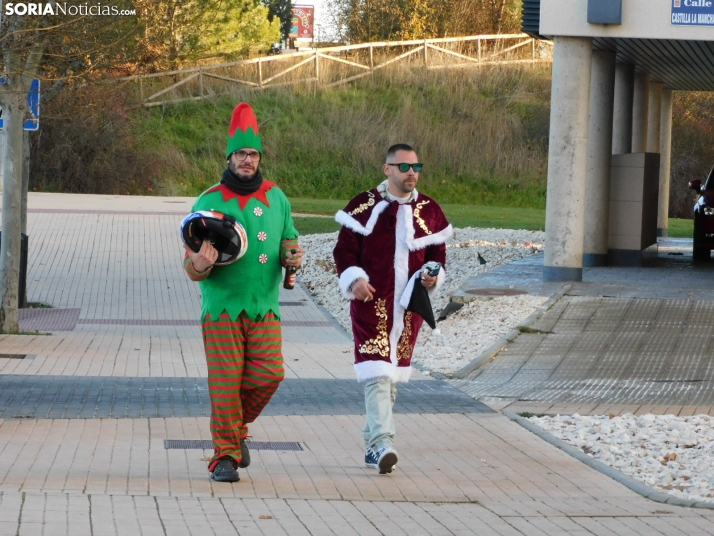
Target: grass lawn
{"type": "Point", "coordinates": [532, 219]}
{"type": "Point", "coordinates": [315, 225]}
{"type": "Point", "coordinates": [681, 228]}
{"type": "Point", "coordinates": [459, 215]}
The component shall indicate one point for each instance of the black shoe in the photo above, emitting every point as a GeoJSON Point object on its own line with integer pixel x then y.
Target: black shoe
{"type": "Point", "coordinates": [245, 455]}
{"type": "Point", "coordinates": [225, 471]}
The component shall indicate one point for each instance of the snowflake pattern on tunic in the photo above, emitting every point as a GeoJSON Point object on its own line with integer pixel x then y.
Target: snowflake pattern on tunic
{"type": "Point", "coordinates": [262, 236]}
{"type": "Point", "coordinates": [263, 258]}
{"type": "Point", "coordinates": [258, 211]}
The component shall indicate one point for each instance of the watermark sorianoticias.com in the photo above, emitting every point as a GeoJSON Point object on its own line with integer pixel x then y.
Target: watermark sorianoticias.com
{"type": "Point", "coordinates": [57, 8]}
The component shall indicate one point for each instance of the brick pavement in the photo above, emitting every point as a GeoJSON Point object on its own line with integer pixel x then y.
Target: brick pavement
{"type": "Point", "coordinates": [461, 472]}
{"type": "Point", "coordinates": [119, 397]}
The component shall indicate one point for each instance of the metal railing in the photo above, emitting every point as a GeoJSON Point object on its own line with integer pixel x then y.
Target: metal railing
{"type": "Point", "coordinates": [333, 66]}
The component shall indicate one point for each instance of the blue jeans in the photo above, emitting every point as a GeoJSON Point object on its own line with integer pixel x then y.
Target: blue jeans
{"type": "Point", "coordinates": [379, 397]}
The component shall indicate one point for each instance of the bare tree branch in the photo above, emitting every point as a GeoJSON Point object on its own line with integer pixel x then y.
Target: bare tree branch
{"type": "Point", "coordinates": [32, 65]}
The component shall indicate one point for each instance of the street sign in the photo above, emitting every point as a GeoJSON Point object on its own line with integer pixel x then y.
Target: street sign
{"type": "Point", "coordinates": [693, 12]}
{"type": "Point", "coordinates": [33, 102]}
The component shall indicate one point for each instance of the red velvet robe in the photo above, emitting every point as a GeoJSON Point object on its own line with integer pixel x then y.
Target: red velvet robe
{"type": "Point", "coordinates": [387, 243]}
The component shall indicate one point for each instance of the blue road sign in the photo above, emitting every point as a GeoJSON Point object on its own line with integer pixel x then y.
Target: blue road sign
{"type": "Point", "coordinates": [33, 102]}
{"type": "Point", "coordinates": [693, 12]}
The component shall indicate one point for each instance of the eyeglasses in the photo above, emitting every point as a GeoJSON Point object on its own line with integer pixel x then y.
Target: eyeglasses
{"type": "Point", "coordinates": [403, 167]}
{"type": "Point", "coordinates": [242, 155]}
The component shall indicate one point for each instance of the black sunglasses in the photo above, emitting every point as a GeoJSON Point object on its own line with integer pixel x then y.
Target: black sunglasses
{"type": "Point", "coordinates": [403, 167]}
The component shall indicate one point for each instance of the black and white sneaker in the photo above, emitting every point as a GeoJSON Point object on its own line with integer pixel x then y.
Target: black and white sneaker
{"type": "Point", "coordinates": [371, 459]}
{"type": "Point", "coordinates": [383, 459]}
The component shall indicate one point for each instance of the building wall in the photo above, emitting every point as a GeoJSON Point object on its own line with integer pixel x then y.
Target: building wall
{"type": "Point", "coordinates": [641, 19]}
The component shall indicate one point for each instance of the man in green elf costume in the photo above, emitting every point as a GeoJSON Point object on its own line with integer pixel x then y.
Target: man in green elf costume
{"type": "Point", "coordinates": [240, 316]}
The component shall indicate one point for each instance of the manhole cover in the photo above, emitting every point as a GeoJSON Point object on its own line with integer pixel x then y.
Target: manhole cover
{"type": "Point", "coordinates": [207, 444]}
{"type": "Point", "coordinates": [49, 319]}
{"type": "Point", "coordinates": [496, 292]}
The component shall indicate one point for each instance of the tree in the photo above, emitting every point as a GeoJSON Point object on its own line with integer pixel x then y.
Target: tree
{"type": "Point", "coordinates": [175, 32]}
{"type": "Point", "coordinates": [69, 42]}
{"type": "Point", "coordinates": [373, 20]}
{"type": "Point", "coordinates": [54, 46]}
{"type": "Point", "coordinates": [282, 9]}
{"type": "Point", "coordinates": [238, 31]}
{"type": "Point", "coordinates": [505, 15]}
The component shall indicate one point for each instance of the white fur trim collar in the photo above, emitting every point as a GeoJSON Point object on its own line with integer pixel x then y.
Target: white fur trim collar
{"type": "Point", "coordinates": [429, 240]}
{"type": "Point", "coordinates": [348, 221]}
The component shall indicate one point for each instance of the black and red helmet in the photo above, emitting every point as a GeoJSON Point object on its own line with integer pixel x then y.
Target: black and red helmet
{"type": "Point", "coordinates": [221, 230]}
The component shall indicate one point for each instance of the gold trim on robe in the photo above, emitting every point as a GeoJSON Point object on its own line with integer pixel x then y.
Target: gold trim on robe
{"type": "Point", "coordinates": [380, 344]}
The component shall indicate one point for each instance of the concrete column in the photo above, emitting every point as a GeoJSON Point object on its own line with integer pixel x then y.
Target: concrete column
{"type": "Point", "coordinates": [2, 156]}
{"type": "Point", "coordinates": [622, 111]}
{"type": "Point", "coordinates": [567, 159]}
{"type": "Point", "coordinates": [597, 186]}
{"type": "Point", "coordinates": [665, 160]}
{"type": "Point", "coordinates": [641, 96]}
{"type": "Point", "coordinates": [654, 109]}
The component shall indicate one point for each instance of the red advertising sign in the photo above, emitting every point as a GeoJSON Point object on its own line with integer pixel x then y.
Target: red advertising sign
{"type": "Point", "coordinates": [303, 22]}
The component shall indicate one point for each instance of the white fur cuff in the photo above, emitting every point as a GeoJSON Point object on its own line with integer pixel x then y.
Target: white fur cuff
{"type": "Point", "coordinates": [349, 276]}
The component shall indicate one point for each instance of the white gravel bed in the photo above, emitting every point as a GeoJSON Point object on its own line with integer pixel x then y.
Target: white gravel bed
{"type": "Point", "coordinates": [672, 454]}
{"type": "Point", "coordinates": [465, 333]}
{"type": "Point", "coordinates": [470, 331]}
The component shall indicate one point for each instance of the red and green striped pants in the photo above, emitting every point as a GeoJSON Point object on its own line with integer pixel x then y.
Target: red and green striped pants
{"type": "Point", "coordinates": [245, 367]}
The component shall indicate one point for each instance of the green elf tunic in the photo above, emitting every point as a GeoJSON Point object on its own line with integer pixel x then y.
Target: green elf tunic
{"type": "Point", "coordinates": [252, 283]}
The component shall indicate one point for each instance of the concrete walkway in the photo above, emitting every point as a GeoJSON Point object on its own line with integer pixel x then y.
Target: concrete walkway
{"type": "Point", "coordinates": [89, 410]}
{"type": "Point", "coordinates": [625, 340]}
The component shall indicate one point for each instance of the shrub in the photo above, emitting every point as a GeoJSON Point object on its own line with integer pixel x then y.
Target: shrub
{"type": "Point", "coordinates": [88, 143]}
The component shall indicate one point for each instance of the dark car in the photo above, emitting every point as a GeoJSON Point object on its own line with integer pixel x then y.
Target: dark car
{"type": "Point", "coordinates": [703, 242]}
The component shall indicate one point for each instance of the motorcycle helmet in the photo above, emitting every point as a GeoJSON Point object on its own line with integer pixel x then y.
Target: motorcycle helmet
{"type": "Point", "coordinates": [221, 230]}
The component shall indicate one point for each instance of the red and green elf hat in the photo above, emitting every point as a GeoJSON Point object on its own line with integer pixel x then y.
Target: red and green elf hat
{"type": "Point", "coordinates": [243, 131]}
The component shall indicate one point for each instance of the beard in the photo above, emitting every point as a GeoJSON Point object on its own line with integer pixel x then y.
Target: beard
{"type": "Point", "coordinates": [238, 173]}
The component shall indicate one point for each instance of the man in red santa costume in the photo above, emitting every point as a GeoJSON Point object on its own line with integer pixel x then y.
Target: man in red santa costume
{"type": "Point", "coordinates": [388, 234]}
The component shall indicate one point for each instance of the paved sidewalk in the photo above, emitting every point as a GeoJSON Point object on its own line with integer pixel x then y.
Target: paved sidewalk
{"type": "Point", "coordinates": [625, 340]}
{"type": "Point", "coordinates": [87, 412]}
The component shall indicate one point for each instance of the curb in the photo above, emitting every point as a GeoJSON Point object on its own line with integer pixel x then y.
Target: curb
{"type": "Point", "coordinates": [490, 352]}
{"type": "Point", "coordinates": [617, 475]}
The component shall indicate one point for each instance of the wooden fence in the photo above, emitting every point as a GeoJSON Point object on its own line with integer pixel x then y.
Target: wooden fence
{"type": "Point", "coordinates": [332, 66]}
